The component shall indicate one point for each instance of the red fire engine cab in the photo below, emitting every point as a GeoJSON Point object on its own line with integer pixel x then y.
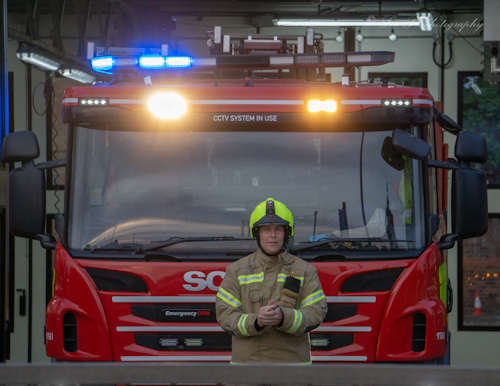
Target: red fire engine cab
{"type": "Point", "coordinates": [166, 162]}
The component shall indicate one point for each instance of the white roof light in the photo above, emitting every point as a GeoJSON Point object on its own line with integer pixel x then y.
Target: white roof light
{"type": "Point", "coordinates": [38, 60]}
{"type": "Point", "coordinates": [79, 76]}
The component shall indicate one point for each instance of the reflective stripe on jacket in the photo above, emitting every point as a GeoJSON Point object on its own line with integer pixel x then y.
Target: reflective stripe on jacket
{"type": "Point", "coordinates": [251, 283]}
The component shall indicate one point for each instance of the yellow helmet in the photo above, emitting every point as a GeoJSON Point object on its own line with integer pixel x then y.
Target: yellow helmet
{"type": "Point", "coordinates": [269, 212]}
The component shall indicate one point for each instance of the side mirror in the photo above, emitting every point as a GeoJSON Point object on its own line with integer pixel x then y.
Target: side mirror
{"type": "Point", "coordinates": [27, 201]}
{"type": "Point", "coordinates": [409, 145]}
{"type": "Point", "coordinates": [26, 185]}
{"type": "Point", "coordinates": [391, 155]}
{"type": "Point", "coordinates": [471, 147]}
{"type": "Point", "coordinates": [469, 200]}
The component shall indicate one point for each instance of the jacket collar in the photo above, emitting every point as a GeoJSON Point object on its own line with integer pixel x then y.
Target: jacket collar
{"type": "Point", "coordinates": [284, 258]}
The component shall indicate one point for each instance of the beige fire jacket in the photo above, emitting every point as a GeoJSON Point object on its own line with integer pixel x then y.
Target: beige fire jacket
{"type": "Point", "coordinates": [249, 284]}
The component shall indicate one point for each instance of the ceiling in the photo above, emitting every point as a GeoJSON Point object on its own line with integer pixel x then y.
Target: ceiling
{"type": "Point", "coordinates": [242, 7]}
{"type": "Point", "coordinates": [123, 20]}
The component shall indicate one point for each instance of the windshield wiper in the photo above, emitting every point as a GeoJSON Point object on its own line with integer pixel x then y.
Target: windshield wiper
{"type": "Point", "coordinates": [159, 255]}
{"type": "Point", "coordinates": [327, 257]}
{"type": "Point", "coordinates": [113, 246]}
{"type": "Point", "coordinates": [177, 240]}
{"type": "Point", "coordinates": [341, 242]}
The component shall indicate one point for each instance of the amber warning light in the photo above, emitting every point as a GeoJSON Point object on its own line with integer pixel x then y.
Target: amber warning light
{"type": "Point", "coordinates": [316, 105]}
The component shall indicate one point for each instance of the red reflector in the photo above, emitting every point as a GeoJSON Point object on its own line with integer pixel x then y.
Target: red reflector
{"type": "Point", "coordinates": [203, 313]}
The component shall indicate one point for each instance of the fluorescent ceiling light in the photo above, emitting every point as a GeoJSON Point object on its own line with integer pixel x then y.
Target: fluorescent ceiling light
{"type": "Point", "coordinates": [288, 22]}
{"type": "Point", "coordinates": [38, 60]}
{"type": "Point", "coordinates": [79, 76]}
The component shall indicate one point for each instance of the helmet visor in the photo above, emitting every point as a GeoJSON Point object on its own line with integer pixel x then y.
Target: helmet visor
{"type": "Point", "coordinates": [271, 219]}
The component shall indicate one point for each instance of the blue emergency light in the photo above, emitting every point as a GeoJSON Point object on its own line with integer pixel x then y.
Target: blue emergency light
{"type": "Point", "coordinates": [178, 61]}
{"type": "Point", "coordinates": [145, 62]}
{"type": "Point", "coordinates": [156, 61]}
{"type": "Point", "coordinates": [151, 61]}
{"type": "Point", "coordinates": [103, 63]}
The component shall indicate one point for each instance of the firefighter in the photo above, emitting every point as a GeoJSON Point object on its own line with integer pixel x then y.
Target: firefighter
{"type": "Point", "coordinates": [270, 299]}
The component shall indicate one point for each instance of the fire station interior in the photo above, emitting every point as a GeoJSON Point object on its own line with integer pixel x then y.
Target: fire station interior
{"type": "Point", "coordinates": [452, 52]}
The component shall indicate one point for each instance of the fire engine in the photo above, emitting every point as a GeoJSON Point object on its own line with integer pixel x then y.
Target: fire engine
{"type": "Point", "coordinates": [167, 160]}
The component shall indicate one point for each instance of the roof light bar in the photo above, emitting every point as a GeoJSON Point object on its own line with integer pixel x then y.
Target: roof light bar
{"type": "Point", "coordinates": [336, 58]}
{"type": "Point", "coordinates": [125, 62]}
{"type": "Point", "coordinates": [307, 59]}
{"type": "Point", "coordinates": [155, 62]}
{"type": "Point", "coordinates": [281, 60]}
{"type": "Point", "coordinates": [368, 58]}
{"type": "Point", "coordinates": [356, 58]}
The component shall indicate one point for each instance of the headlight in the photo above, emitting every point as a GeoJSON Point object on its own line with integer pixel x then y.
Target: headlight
{"type": "Point", "coordinates": [328, 106]}
{"type": "Point", "coordinates": [167, 105]}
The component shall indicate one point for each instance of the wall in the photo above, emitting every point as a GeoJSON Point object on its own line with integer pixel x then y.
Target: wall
{"type": "Point", "coordinates": [468, 347]}
{"type": "Point", "coordinates": [19, 339]}
{"type": "Point", "coordinates": [413, 54]}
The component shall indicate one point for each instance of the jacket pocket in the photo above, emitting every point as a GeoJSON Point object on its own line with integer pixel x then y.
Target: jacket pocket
{"type": "Point", "coordinates": [256, 299]}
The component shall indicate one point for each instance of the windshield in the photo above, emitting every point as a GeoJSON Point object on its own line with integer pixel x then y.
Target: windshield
{"type": "Point", "coordinates": [140, 188]}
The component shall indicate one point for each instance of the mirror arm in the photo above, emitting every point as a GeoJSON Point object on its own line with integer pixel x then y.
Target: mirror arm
{"type": "Point", "coordinates": [447, 241]}
{"type": "Point", "coordinates": [446, 122]}
{"type": "Point", "coordinates": [442, 164]}
{"type": "Point", "coordinates": [52, 164]}
{"type": "Point", "coordinates": [47, 241]}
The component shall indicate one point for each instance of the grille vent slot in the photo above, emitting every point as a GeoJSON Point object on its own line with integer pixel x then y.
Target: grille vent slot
{"type": "Point", "coordinates": [116, 281]}
{"type": "Point", "coordinates": [418, 338]}
{"type": "Point", "coordinates": [70, 332]}
{"type": "Point", "coordinates": [340, 311]}
{"type": "Point", "coordinates": [372, 281]}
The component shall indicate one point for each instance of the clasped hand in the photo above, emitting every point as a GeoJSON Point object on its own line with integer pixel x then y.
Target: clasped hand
{"type": "Point", "coordinates": [270, 315]}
